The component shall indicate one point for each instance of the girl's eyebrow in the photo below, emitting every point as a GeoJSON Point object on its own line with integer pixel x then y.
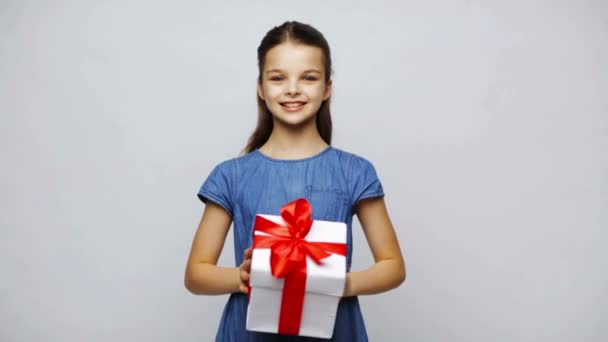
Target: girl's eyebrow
{"type": "Point", "coordinates": [305, 71]}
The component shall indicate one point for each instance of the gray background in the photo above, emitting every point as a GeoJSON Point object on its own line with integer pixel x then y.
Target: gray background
{"type": "Point", "coordinates": [487, 122]}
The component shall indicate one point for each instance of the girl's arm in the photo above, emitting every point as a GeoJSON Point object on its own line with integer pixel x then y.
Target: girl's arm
{"type": "Point", "coordinates": [389, 270]}
{"type": "Point", "coordinates": [202, 274]}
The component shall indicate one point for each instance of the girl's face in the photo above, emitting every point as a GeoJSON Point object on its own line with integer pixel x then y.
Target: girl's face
{"type": "Point", "coordinates": [293, 83]}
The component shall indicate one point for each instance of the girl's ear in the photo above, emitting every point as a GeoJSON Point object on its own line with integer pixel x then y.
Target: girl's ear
{"type": "Point", "coordinates": [327, 92]}
{"type": "Point", "coordinates": [260, 91]}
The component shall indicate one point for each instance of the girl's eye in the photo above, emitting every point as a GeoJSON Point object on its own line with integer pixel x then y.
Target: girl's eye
{"type": "Point", "coordinates": [307, 78]}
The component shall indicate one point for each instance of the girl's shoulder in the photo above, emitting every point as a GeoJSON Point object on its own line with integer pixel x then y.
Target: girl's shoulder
{"type": "Point", "coordinates": [354, 161]}
{"type": "Point", "coordinates": [232, 164]}
{"type": "Point", "coordinates": [363, 181]}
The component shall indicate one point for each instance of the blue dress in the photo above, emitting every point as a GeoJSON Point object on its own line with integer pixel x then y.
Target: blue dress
{"type": "Point", "coordinates": [332, 181]}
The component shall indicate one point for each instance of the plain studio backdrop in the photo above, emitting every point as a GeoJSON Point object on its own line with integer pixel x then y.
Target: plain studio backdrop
{"type": "Point", "coordinates": [487, 122]}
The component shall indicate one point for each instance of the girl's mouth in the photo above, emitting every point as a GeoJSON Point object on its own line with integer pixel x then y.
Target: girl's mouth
{"type": "Point", "coordinates": [293, 106]}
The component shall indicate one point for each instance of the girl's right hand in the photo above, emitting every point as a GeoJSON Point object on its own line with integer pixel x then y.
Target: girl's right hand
{"type": "Point", "coordinates": [244, 270]}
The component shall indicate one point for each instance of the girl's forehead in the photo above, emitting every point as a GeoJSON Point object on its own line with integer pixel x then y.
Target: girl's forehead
{"type": "Point", "coordinates": [290, 56]}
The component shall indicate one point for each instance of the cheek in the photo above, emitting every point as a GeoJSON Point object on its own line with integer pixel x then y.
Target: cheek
{"type": "Point", "coordinates": [272, 92]}
{"type": "Point", "coordinates": [318, 92]}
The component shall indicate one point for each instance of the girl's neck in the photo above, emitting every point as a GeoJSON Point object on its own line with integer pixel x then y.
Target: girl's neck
{"type": "Point", "coordinates": [293, 143]}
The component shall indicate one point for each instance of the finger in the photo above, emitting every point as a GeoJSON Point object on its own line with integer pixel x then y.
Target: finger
{"type": "Point", "coordinates": [244, 289]}
{"type": "Point", "coordinates": [247, 265]}
{"type": "Point", "coordinates": [248, 252]}
{"type": "Point", "coordinates": [244, 276]}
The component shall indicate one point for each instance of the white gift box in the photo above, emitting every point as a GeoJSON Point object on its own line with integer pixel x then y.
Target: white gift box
{"type": "Point", "coordinates": [323, 289]}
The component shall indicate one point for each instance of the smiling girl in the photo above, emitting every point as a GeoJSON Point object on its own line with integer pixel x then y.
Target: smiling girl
{"type": "Point", "coordinates": [290, 156]}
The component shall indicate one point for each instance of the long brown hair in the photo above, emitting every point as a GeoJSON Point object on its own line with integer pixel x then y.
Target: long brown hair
{"type": "Point", "coordinates": [298, 33]}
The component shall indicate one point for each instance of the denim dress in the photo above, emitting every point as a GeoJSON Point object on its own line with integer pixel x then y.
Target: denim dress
{"type": "Point", "coordinates": [332, 181]}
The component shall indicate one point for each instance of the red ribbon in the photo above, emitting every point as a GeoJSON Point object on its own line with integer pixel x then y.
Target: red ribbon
{"type": "Point", "coordinates": [288, 255]}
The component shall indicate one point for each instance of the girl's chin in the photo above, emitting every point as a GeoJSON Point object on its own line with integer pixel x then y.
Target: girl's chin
{"type": "Point", "coordinates": [293, 119]}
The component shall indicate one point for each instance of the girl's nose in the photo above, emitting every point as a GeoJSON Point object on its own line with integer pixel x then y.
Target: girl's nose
{"type": "Point", "coordinates": [292, 88]}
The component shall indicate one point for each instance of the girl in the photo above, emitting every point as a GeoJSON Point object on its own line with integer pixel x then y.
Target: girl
{"type": "Point", "coordinates": [289, 156]}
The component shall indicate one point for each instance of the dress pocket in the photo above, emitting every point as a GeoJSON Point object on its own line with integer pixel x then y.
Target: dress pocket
{"type": "Point", "coordinates": [327, 204]}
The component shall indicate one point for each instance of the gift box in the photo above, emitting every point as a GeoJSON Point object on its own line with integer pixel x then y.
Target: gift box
{"type": "Point", "coordinates": [298, 272]}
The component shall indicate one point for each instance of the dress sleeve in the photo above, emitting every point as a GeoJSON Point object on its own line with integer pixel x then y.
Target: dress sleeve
{"type": "Point", "coordinates": [366, 183]}
{"type": "Point", "coordinates": [217, 187]}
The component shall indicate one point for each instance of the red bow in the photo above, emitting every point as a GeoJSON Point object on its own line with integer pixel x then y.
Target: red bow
{"type": "Point", "coordinates": [288, 255]}
{"type": "Point", "coordinates": [288, 246]}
